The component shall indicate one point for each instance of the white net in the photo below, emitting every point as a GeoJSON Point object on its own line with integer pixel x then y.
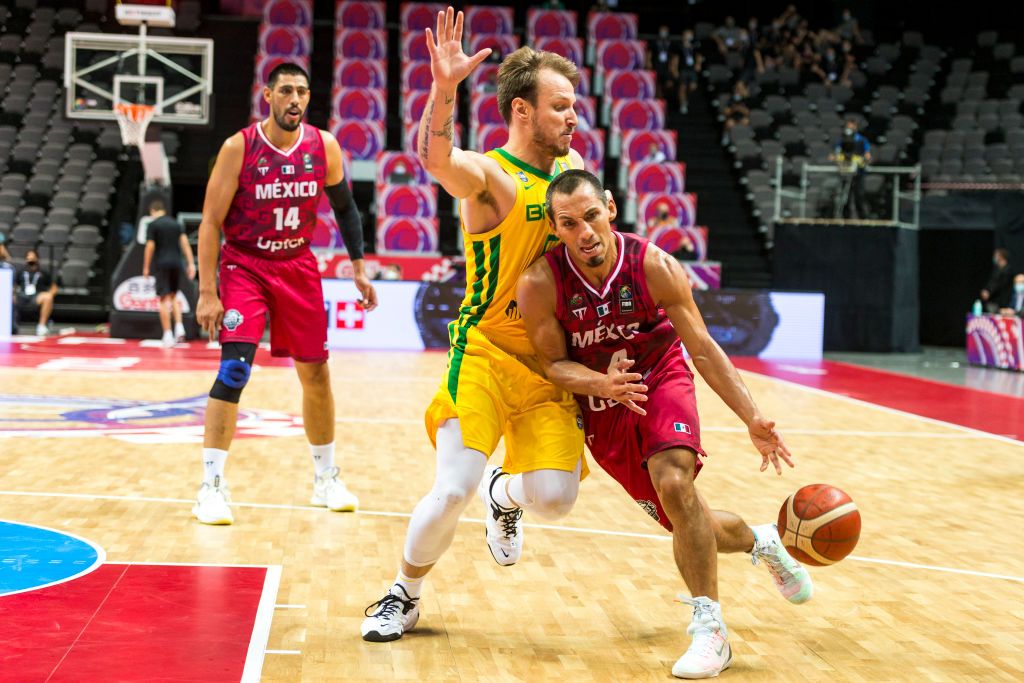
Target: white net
{"type": "Point", "coordinates": [133, 119]}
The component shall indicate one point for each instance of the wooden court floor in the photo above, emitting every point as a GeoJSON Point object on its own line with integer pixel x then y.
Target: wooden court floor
{"type": "Point", "coordinates": [934, 590]}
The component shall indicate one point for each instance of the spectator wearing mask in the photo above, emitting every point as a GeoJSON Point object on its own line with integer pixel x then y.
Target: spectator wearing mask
{"type": "Point", "coordinates": [686, 66]}
{"type": "Point", "coordinates": [34, 290]}
{"type": "Point", "coordinates": [660, 53]}
{"type": "Point", "coordinates": [997, 291]}
{"type": "Point", "coordinates": [853, 153]}
{"type": "Point", "coordinates": [1016, 306]}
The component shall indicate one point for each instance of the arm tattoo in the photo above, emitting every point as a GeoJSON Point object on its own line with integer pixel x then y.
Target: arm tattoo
{"type": "Point", "coordinates": [447, 131]}
{"type": "Point", "coordinates": [447, 99]}
{"type": "Point", "coordinates": [424, 137]}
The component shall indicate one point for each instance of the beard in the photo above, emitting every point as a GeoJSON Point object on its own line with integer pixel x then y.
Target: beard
{"type": "Point", "coordinates": [282, 122]}
{"type": "Point", "coordinates": [595, 260]}
{"type": "Point", "coordinates": [549, 147]}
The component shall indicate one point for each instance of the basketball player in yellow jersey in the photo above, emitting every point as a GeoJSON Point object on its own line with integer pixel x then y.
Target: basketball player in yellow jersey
{"type": "Point", "coordinates": [493, 385]}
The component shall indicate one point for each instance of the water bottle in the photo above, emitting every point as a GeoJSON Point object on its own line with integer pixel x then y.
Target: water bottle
{"type": "Point", "coordinates": [977, 310]}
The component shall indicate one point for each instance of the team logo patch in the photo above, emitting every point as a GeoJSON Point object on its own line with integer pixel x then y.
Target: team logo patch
{"type": "Point", "coordinates": [232, 319]}
{"type": "Point", "coordinates": [262, 165]}
{"type": "Point", "coordinates": [650, 508]}
{"type": "Point", "coordinates": [522, 176]}
{"type": "Point", "coordinates": [602, 309]}
{"type": "Point", "coordinates": [625, 299]}
{"type": "Point", "coordinates": [577, 306]}
{"type": "Point", "coordinates": [307, 162]}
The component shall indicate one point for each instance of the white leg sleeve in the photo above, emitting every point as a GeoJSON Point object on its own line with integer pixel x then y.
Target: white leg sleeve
{"type": "Point", "coordinates": [459, 471]}
{"type": "Point", "coordinates": [546, 493]}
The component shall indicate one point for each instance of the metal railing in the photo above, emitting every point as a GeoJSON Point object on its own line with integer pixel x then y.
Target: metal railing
{"type": "Point", "coordinates": [906, 187]}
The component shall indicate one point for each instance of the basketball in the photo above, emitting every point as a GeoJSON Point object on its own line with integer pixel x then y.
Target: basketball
{"type": "Point", "coordinates": [819, 525]}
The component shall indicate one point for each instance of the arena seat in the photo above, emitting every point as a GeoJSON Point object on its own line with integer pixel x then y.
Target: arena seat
{"type": "Point", "coordinates": [414, 47]}
{"type": "Point", "coordinates": [366, 14]}
{"type": "Point", "coordinates": [370, 104]}
{"type": "Point", "coordinates": [407, 234]}
{"type": "Point", "coordinates": [293, 41]}
{"type": "Point", "coordinates": [363, 139]}
{"type": "Point", "coordinates": [389, 161]}
{"type": "Point", "coordinates": [359, 43]}
{"type": "Point", "coordinates": [503, 44]}
{"type": "Point", "coordinates": [671, 239]}
{"type": "Point", "coordinates": [569, 47]}
{"type": "Point", "coordinates": [416, 16]}
{"type": "Point", "coordinates": [417, 76]}
{"type": "Point", "coordinates": [490, 136]}
{"type": "Point", "coordinates": [550, 22]}
{"type": "Point", "coordinates": [288, 12]}
{"type": "Point", "coordinates": [682, 206]}
{"type": "Point", "coordinates": [414, 102]}
{"type": "Point", "coordinates": [417, 201]}
{"type": "Point", "coordinates": [361, 73]}
{"type": "Point", "coordinates": [484, 20]}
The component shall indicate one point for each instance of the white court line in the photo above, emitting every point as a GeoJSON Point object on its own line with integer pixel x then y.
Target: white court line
{"type": "Point", "coordinates": [261, 626]}
{"type": "Point", "coordinates": [289, 607]}
{"type": "Point", "coordinates": [550, 527]}
{"type": "Point", "coordinates": [284, 652]}
{"type": "Point", "coordinates": [860, 402]}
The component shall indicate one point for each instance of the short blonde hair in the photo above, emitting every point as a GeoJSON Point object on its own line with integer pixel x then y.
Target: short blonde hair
{"type": "Point", "coordinates": [517, 76]}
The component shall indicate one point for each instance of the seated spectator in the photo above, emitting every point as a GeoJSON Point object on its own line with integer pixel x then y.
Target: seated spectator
{"type": "Point", "coordinates": [752, 64]}
{"type": "Point", "coordinates": [829, 68]}
{"type": "Point", "coordinates": [34, 290]}
{"type": "Point", "coordinates": [735, 110]}
{"type": "Point", "coordinates": [1016, 306]}
{"type": "Point", "coordinates": [998, 289]}
{"type": "Point", "coordinates": [654, 154]}
{"type": "Point", "coordinates": [727, 36]}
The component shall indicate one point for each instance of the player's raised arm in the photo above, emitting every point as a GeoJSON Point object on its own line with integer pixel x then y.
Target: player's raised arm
{"type": "Point", "coordinates": [220, 190]}
{"type": "Point", "coordinates": [459, 172]}
{"type": "Point", "coordinates": [535, 296]}
{"type": "Point", "coordinates": [669, 286]}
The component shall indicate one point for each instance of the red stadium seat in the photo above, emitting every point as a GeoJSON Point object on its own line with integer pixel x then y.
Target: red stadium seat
{"type": "Point", "coordinates": [491, 136]}
{"type": "Point", "coordinates": [259, 109]}
{"type": "Point", "coordinates": [480, 75]}
{"type": "Point", "coordinates": [288, 12]}
{"type": "Point", "coordinates": [417, 16]}
{"type": "Point", "coordinates": [590, 145]}
{"type": "Point", "coordinates": [484, 109]}
{"type": "Point", "coordinates": [503, 44]}
{"type": "Point", "coordinates": [361, 73]}
{"type": "Point", "coordinates": [370, 104]}
{"type": "Point", "coordinates": [635, 144]}
{"type": "Point", "coordinates": [586, 110]}
{"type": "Point", "coordinates": [550, 22]}
{"type": "Point", "coordinates": [361, 43]}
{"type": "Point", "coordinates": [629, 85]}
{"type": "Point", "coordinates": [612, 26]}
{"type": "Point", "coordinates": [638, 115]}
{"type": "Point", "coordinates": [294, 41]}
{"type": "Point", "coordinates": [661, 176]}
{"type": "Point", "coordinates": [417, 201]}
{"type": "Point", "coordinates": [414, 47]}
{"type": "Point", "coordinates": [407, 234]}
{"type": "Point", "coordinates": [364, 140]}
{"type": "Point", "coordinates": [360, 14]}
{"type": "Point", "coordinates": [620, 54]}
{"type": "Point", "coordinates": [413, 104]}
{"type": "Point", "coordinates": [391, 162]}
{"type": "Point", "coordinates": [266, 63]}
{"type": "Point", "coordinates": [671, 239]}
{"type": "Point", "coordinates": [483, 20]}
{"type": "Point", "coordinates": [417, 76]}
{"type": "Point", "coordinates": [570, 48]}
{"type": "Point", "coordinates": [682, 207]}
{"type": "Point", "coordinates": [584, 89]}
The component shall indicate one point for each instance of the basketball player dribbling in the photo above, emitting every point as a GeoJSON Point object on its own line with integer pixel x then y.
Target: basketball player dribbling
{"type": "Point", "coordinates": [492, 387]}
{"type": "Point", "coordinates": [263, 193]}
{"type": "Point", "coordinates": [606, 312]}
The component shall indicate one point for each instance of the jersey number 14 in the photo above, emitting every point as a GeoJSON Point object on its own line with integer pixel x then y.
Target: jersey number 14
{"type": "Point", "coordinates": [290, 219]}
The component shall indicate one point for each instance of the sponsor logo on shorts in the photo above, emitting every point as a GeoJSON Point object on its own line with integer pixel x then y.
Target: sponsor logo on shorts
{"type": "Point", "coordinates": [682, 427]}
{"type": "Point", "coordinates": [650, 508]}
{"type": "Point", "coordinates": [232, 319]}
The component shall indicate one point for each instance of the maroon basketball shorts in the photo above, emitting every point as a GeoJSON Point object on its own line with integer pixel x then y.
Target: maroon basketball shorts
{"type": "Point", "coordinates": [288, 290]}
{"type": "Point", "coordinates": [621, 441]}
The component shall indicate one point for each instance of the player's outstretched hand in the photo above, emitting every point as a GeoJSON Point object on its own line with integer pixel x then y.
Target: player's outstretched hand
{"type": "Point", "coordinates": [769, 443]}
{"type": "Point", "coordinates": [625, 387]}
{"type": "Point", "coordinates": [448, 63]}
{"type": "Point", "coordinates": [210, 314]}
{"type": "Point", "coordinates": [366, 290]}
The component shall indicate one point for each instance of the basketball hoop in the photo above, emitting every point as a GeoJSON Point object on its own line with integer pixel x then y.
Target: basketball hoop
{"type": "Point", "coordinates": [133, 119]}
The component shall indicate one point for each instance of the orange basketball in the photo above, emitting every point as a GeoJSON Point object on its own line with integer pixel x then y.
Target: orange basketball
{"type": "Point", "coordinates": [819, 524]}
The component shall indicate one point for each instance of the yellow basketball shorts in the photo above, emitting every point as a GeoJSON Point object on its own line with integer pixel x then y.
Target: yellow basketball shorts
{"type": "Point", "coordinates": [495, 394]}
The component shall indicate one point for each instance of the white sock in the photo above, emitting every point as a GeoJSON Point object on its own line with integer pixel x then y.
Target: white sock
{"type": "Point", "coordinates": [213, 463]}
{"type": "Point", "coordinates": [509, 484]}
{"type": "Point", "coordinates": [412, 587]}
{"type": "Point", "coordinates": [323, 457]}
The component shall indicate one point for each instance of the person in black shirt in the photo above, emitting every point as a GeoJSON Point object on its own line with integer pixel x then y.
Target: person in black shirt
{"type": "Point", "coordinates": [165, 245]}
{"type": "Point", "coordinates": [999, 287]}
{"type": "Point", "coordinates": [34, 290]}
{"type": "Point", "coordinates": [852, 153]}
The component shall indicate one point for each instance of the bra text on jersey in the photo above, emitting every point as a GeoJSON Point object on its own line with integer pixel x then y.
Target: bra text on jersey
{"type": "Point", "coordinates": [294, 188]}
{"type": "Point", "coordinates": [602, 332]}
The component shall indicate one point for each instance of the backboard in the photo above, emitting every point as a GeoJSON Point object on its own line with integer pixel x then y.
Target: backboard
{"type": "Point", "coordinates": [174, 75]}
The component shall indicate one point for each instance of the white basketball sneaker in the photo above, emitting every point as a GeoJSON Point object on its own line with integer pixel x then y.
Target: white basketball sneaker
{"type": "Point", "coordinates": [179, 332]}
{"type": "Point", "coordinates": [167, 341]}
{"type": "Point", "coordinates": [212, 503]}
{"type": "Point", "coordinates": [791, 578]}
{"type": "Point", "coordinates": [503, 526]}
{"type": "Point", "coordinates": [709, 653]}
{"type": "Point", "coordinates": [330, 492]}
{"type": "Point", "coordinates": [42, 330]}
{"type": "Point", "coordinates": [392, 615]}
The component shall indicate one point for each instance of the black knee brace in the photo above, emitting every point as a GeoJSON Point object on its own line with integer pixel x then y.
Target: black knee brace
{"type": "Point", "coordinates": [235, 366]}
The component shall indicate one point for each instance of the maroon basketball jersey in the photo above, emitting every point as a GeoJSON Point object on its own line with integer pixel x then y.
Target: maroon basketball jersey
{"type": "Point", "coordinates": [620, 320]}
{"type": "Point", "coordinates": [273, 213]}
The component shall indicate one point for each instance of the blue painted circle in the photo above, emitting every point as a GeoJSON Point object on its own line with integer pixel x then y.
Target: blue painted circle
{"type": "Point", "coordinates": [32, 557]}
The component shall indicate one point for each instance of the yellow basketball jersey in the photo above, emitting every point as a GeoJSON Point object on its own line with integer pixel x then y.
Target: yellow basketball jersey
{"type": "Point", "coordinates": [495, 260]}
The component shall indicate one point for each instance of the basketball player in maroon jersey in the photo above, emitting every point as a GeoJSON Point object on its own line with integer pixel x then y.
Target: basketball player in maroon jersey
{"type": "Point", "coordinates": [606, 312]}
{"type": "Point", "coordinates": [263, 194]}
